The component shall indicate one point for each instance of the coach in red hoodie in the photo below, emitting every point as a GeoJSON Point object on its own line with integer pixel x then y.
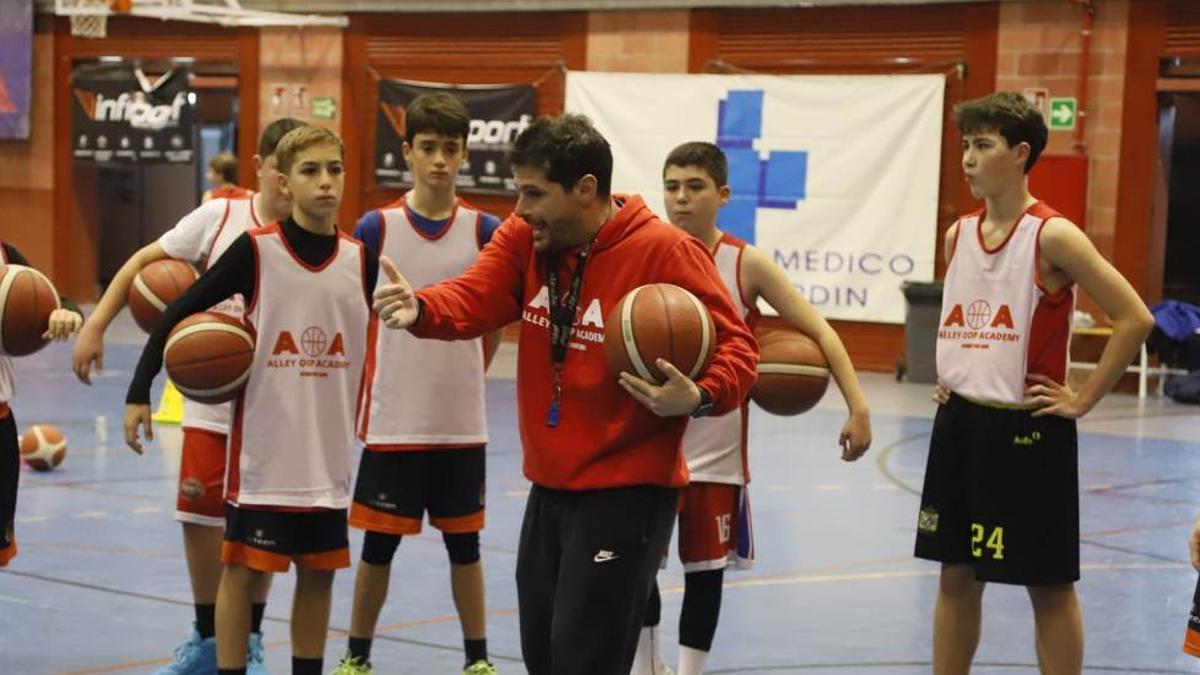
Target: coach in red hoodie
{"type": "Point", "coordinates": [602, 450]}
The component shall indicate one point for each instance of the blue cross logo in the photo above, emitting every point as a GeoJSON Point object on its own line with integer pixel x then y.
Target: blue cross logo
{"type": "Point", "coordinates": [778, 182]}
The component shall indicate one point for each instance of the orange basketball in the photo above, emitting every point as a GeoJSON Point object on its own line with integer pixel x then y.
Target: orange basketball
{"type": "Point", "coordinates": [659, 321]}
{"type": "Point", "coordinates": [27, 298]}
{"type": "Point", "coordinates": [208, 357]}
{"type": "Point", "coordinates": [156, 286]}
{"type": "Point", "coordinates": [792, 371]}
{"type": "Point", "coordinates": [43, 447]}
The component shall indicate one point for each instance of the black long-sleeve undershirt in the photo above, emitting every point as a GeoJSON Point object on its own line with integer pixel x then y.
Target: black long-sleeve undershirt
{"type": "Point", "coordinates": [233, 273]}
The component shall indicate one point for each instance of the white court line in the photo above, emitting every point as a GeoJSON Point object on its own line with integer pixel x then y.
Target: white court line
{"type": "Point", "coordinates": [517, 493]}
{"type": "Point", "coordinates": [148, 509]}
{"type": "Point", "coordinates": [831, 488]}
{"type": "Point", "coordinates": [904, 574]}
{"type": "Point", "coordinates": [32, 519]}
{"type": "Point", "coordinates": [15, 601]}
{"type": "Point", "coordinates": [89, 514]}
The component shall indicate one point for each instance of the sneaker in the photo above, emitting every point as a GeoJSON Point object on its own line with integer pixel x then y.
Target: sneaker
{"type": "Point", "coordinates": [480, 667]}
{"type": "Point", "coordinates": [256, 656]}
{"type": "Point", "coordinates": [194, 657]}
{"type": "Point", "coordinates": [351, 665]}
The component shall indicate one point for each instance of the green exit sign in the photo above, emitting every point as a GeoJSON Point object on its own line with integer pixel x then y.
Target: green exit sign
{"type": "Point", "coordinates": [1063, 112]}
{"type": "Point", "coordinates": [324, 107]}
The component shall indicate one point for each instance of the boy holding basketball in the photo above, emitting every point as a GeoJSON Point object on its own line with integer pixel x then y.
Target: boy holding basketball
{"type": "Point", "coordinates": [422, 419]}
{"type": "Point", "coordinates": [307, 290]}
{"type": "Point", "coordinates": [200, 238]}
{"type": "Point", "coordinates": [63, 321]}
{"type": "Point", "coordinates": [714, 513]}
{"type": "Point", "coordinates": [1001, 501]}
{"type": "Point", "coordinates": [601, 448]}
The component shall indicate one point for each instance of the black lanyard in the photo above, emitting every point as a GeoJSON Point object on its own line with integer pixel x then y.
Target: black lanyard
{"type": "Point", "coordinates": [562, 320]}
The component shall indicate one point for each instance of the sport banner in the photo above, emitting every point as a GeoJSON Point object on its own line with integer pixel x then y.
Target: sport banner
{"type": "Point", "coordinates": [834, 177]}
{"type": "Point", "coordinates": [16, 67]}
{"type": "Point", "coordinates": [121, 116]}
{"type": "Point", "coordinates": [498, 114]}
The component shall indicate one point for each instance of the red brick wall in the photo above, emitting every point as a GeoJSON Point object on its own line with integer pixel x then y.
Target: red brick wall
{"type": "Point", "coordinates": [1040, 46]}
{"type": "Point", "coordinates": [638, 42]}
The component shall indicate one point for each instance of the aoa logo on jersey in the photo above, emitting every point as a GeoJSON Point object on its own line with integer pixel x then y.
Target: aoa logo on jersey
{"type": "Point", "coordinates": [589, 318]}
{"type": "Point", "coordinates": [979, 322]}
{"type": "Point", "coordinates": [314, 355]}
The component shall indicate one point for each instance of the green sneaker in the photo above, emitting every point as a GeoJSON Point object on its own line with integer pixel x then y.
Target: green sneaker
{"type": "Point", "coordinates": [351, 665]}
{"type": "Point", "coordinates": [480, 667]}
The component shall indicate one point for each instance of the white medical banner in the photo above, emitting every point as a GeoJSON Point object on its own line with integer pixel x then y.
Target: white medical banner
{"type": "Point", "coordinates": [834, 177]}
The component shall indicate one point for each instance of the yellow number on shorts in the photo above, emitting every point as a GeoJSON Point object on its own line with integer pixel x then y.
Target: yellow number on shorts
{"type": "Point", "coordinates": [995, 541]}
{"type": "Point", "coordinates": [976, 540]}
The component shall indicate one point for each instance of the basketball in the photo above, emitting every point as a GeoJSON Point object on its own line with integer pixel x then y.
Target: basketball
{"type": "Point", "coordinates": [27, 298]}
{"type": "Point", "coordinates": [659, 321]}
{"type": "Point", "coordinates": [208, 357]}
{"type": "Point", "coordinates": [792, 371]}
{"type": "Point", "coordinates": [156, 286]}
{"type": "Point", "coordinates": [43, 447]}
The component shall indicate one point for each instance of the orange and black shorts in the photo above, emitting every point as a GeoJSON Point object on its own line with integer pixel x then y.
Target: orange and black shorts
{"type": "Point", "coordinates": [269, 539]}
{"type": "Point", "coordinates": [395, 488]}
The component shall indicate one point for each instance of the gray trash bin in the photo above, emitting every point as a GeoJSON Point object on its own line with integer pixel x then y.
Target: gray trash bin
{"type": "Point", "coordinates": [921, 318]}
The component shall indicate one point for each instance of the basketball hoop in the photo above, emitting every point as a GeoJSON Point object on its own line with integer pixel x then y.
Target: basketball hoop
{"type": "Point", "coordinates": [89, 18]}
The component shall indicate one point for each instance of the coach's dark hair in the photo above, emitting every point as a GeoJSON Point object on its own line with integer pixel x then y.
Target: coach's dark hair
{"type": "Point", "coordinates": [1006, 113]}
{"type": "Point", "coordinates": [268, 140]}
{"type": "Point", "coordinates": [439, 113]}
{"type": "Point", "coordinates": [567, 148]}
{"type": "Point", "coordinates": [702, 155]}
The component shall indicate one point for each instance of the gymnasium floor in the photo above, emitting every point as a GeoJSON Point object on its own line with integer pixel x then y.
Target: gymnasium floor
{"type": "Point", "coordinates": [100, 585]}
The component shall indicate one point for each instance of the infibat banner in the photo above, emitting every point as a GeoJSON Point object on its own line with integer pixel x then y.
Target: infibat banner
{"type": "Point", "coordinates": [498, 114]}
{"type": "Point", "coordinates": [122, 116]}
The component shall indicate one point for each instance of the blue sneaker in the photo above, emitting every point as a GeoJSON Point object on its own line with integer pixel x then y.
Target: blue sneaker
{"type": "Point", "coordinates": [256, 656]}
{"type": "Point", "coordinates": [194, 657]}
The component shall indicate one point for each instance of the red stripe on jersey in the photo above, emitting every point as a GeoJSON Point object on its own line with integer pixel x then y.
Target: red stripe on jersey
{"type": "Point", "coordinates": [253, 300]}
{"type": "Point", "coordinates": [368, 379]}
{"type": "Point", "coordinates": [1050, 327]}
{"type": "Point", "coordinates": [408, 215]}
{"type": "Point", "coordinates": [220, 228]}
{"type": "Point", "coordinates": [233, 467]}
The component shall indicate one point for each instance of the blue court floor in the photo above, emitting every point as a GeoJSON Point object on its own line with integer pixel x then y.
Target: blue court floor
{"type": "Point", "coordinates": [100, 584]}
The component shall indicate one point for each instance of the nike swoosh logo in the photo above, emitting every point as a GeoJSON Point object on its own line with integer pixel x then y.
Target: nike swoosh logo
{"type": "Point", "coordinates": [604, 556]}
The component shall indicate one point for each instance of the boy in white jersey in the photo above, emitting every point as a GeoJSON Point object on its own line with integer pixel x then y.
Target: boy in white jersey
{"type": "Point", "coordinates": [714, 513]}
{"type": "Point", "coordinates": [422, 420]}
{"type": "Point", "coordinates": [1000, 501]}
{"type": "Point", "coordinates": [200, 238]}
{"type": "Point", "coordinates": [307, 289]}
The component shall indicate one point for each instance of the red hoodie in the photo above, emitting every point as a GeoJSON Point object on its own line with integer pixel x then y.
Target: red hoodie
{"type": "Point", "coordinates": [604, 438]}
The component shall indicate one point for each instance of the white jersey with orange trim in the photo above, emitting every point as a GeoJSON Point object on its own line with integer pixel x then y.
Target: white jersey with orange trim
{"type": "Point", "coordinates": [424, 392]}
{"type": "Point", "coordinates": [999, 324]}
{"type": "Point", "coordinates": [200, 238]}
{"type": "Point", "coordinates": [293, 425]}
{"type": "Point", "coordinates": [715, 447]}
{"type": "Point", "coordinates": [8, 381]}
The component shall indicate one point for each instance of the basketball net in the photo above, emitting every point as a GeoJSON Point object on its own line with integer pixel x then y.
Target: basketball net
{"type": "Point", "coordinates": [91, 19]}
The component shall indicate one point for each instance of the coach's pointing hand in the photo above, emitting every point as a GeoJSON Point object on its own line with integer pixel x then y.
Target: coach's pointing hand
{"type": "Point", "coordinates": [394, 301]}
